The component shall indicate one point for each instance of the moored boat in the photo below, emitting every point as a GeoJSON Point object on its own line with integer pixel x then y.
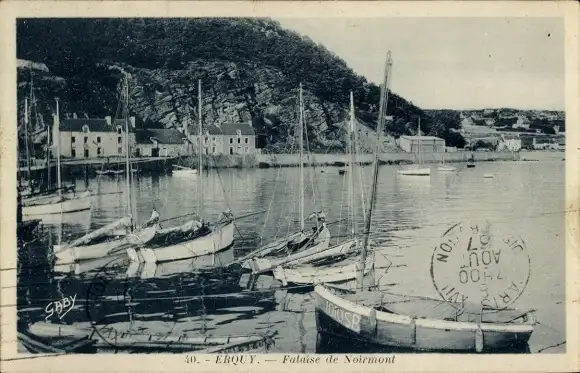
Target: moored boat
{"type": "Point", "coordinates": [418, 323]}
{"type": "Point", "coordinates": [190, 240]}
{"type": "Point", "coordinates": [417, 169]}
{"type": "Point", "coordinates": [183, 171]}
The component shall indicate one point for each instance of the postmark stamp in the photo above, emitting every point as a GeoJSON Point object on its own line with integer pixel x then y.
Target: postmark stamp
{"type": "Point", "coordinates": [480, 266]}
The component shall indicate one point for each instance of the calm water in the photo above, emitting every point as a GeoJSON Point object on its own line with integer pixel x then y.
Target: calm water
{"type": "Point", "coordinates": [203, 296]}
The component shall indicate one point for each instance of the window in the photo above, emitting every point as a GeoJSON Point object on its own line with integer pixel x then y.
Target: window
{"type": "Point", "coordinates": [213, 149]}
{"type": "Point", "coordinates": [119, 150]}
{"type": "Point", "coordinates": [246, 140]}
{"type": "Point", "coordinates": [239, 149]}
{"type": "Point", "coordinates": [239, 140]}
{"type": "Point", "coordinates": [99, 151]}
{"type": "Point", "coordinates": [98, 140]}
{"type": "Point", "coordinates": [119, 140]}
{"type": "Point", "coordinates": [213, 139]}
{"type": "Point", "coordinates": [246, 149]}
{"type": "Point", "coordinates": [74, 153]}
{"type": "Point", "coordinates": [86, 153]}
{"type": "Point", "coordinates": [119, 130]}
{"type": "Point", "coordinates": [231, 150]}
{"type": "Point", "coordinates": [86, 139]}
{"type": "Point", "coordinates": [231, 140]}
{"type": "Point", "coordinates": [206, 151]}
{"type": "Point", "coordinates": [72, 139]}
{"type": "Point", "coordinates": [85, 128]}
{"type": "Point", "coordinates": [205, 139]}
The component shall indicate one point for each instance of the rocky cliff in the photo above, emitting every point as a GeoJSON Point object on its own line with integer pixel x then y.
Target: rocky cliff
{"type": "Point", "coordinates": [250, 69]}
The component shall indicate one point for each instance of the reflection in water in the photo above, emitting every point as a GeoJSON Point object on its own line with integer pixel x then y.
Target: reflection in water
{"type": "Point", "coordinates": [204, 295]}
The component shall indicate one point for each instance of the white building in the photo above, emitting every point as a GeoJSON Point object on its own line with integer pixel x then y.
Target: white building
{"type": "Point", "coordinates": [429, 144]}
{"type": "Point", "coordinates": [509, 143]}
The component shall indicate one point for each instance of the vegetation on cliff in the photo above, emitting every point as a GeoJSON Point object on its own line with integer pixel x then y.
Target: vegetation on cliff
{"type": "Point", "coordinates": [250, 70]}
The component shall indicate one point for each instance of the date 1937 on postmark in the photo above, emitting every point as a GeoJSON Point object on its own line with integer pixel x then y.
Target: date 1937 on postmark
{"type": "Point", "coordinates": [480, 267]}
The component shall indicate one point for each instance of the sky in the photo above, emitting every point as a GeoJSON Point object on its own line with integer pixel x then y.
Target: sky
{"type": "Point", "coordinates": [452, 63]}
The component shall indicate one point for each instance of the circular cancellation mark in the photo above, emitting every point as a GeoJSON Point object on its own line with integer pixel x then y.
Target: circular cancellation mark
{"type": "Point", "coordinates": [477, 267]}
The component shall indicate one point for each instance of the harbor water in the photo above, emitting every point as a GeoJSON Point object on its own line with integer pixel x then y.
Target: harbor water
{"type": "Point", "coordinates": [206, 296]}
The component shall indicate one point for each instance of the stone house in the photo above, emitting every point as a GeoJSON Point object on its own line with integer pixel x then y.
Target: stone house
{"type": "Point", "coordinates": [228, 138]}
{"type": "Point", "coordinates": [82, 138]}
{"type": "Point", "coordinates": [166, 142]}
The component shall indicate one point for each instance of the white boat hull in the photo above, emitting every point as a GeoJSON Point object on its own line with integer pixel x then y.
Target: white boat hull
{"type": "Point", "coordinates": [446, 168]}
{"type": "Point", "coordinates": [71, 205]}
{"type": "Point", "coordinates": [219, 239]}
{"type": "Point", "coordinates": [184, 172]}
{"type": "Point", "coordinates": [261, 265]}
{"type": "Point", "coordinates": [418, 333]}
{"type": "Point", "coordinates": [309, 275]}
{"type": "Point", "coordinates": [73, 254]}
{"type": "Point", "coordinates": [415, 172]}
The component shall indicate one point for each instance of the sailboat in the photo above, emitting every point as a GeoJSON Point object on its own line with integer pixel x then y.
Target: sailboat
{"type": "Point", "coordinates": [417, 170]}
{"type": "Point", "coordinates": [444, 167]}
{"type": "Point", "coordinates": [419, 323]}
{"type": "Point", "coordinates": [61, 202]}
{"type": "Point", "coordinates": [107, 240]}
{"type": "Point", "coordinates": [194, 238]}
{"type": "Point", "coordinates": [298, 245]}
{"type": "Point", "coordinates": [337, 263]}
{"type": "Point", "coordinates": [471, 162]}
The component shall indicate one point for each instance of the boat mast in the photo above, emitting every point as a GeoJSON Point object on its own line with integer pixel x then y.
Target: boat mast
{"type": "Point", "coordinates": [419, 142]}
{"type": "Point", "coordinates": [26, 141]}
{"type": "Point", "coordinates": [301, 181]}
{"type": "Point", "coordinates": [200, 182]}
{"type": "Point", "coordinates": [351, 146]}
{"type": "Point", "coordinates": [58, 173]}
{"type": "Point", "coordinates": [127, 165]}
{"type": "Point", "coordinates": [380, 126]}
{"type": "Point", "coordinates": [48, 151]}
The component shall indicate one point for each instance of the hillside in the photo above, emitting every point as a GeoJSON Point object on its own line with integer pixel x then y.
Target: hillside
{"type": "Point", "coordinates": [250, 69]}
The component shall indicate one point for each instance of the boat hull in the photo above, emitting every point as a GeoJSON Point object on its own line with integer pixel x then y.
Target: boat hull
{"type": "Point", "coordinates": [334, 314]}
{"type": "Point", "coordinates": [74, 254]}
{"type": "Point", "coordinates": [415, 172]}
{"type": "Point", "coordinates": [71, 205]}
{"type": "Point", "coordinates": [219, 239]}
{"type": "Point", "coordinates": [262, 265]}
{"type": "Point", "coordinates": [446, 169]}
{"type": "Point", "coordinates": [308, 275]}
{"type": "Point", "coordinates": [184, 172]}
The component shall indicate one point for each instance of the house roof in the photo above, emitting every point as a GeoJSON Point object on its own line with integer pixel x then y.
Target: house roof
{"type": "Point", "coordinates": [163, 136]}
{"type": "Point", "coordinates": [95, 125]}
{"type": "Point", "coordinates": [228, 129]}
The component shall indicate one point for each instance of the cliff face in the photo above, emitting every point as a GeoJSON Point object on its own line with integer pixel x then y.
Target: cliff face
{"type": "Point", "coordinates": [250, 70]}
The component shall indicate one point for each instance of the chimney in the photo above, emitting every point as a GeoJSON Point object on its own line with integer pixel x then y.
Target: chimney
{"type": "Point", "coordinates": [132, 121]}
{"type": "Point", "coordinates": [108, 120]}
{"type": "Point", "coordinates": [75, 116]}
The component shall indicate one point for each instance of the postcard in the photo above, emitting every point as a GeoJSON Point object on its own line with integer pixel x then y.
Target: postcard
{"type": "Point", "coordinates": [321, 186]}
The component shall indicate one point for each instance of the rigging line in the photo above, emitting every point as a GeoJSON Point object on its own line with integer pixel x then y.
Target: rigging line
{"type": "Point", "coordinates": [270, 206]}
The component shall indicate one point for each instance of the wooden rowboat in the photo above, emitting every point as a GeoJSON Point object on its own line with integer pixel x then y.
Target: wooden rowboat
{"type": "Point", "coordinates": [109, 339]}
{"type": "Point", "coordinates": [419, 323]}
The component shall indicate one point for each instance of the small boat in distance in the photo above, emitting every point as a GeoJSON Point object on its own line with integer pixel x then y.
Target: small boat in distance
{"type": "Point", "coordinates": [417, 169]}
{"type": "Point", "coordinates": [184, 171]}
{"type": "Point", "coordinates": [471, 162]}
